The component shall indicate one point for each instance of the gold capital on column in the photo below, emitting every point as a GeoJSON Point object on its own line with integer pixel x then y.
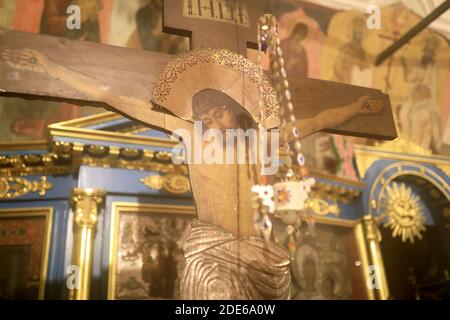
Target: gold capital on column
{"type": "Point", "coordinates": [373, 237]}
{"type": "Point", "coordinates": [85, 206]}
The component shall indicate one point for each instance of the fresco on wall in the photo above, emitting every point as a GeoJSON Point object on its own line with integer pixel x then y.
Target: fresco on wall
{"type": "Point", "coordinates": [135, 24]}
{"type": "Point", "coordinates": [302, 42]}
{"type": "Point", "coordinates": [7, 8]}
{"type": "Point", "coordinates": [415, 77]}
{"type": "Point", "coordinates": [24, 120]}
{"type": "Point", "coordinates": [148, 34]}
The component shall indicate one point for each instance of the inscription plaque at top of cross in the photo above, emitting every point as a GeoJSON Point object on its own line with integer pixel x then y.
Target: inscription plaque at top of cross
{"type": "Point", "coordinates": [224, 24]}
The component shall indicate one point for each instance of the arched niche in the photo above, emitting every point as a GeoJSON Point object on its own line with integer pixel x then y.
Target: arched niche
{"type": "Point", "coordinates": [418, 268]}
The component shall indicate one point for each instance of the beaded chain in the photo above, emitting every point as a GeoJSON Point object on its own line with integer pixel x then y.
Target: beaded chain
{"type": "Point", "coordinates": [263, 205]}
{"type": "Point", "coordinates": [268, 38]}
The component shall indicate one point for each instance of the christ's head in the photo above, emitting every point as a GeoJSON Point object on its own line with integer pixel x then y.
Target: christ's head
{"type": "Point", "coordinates": [216, 110]}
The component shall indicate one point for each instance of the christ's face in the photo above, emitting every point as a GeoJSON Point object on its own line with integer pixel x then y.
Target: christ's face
{"type": "Point", "coordinates": [219, 117]}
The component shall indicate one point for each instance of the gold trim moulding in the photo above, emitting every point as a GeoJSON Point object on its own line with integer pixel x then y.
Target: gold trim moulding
{"type": "Point", "coordinates": [373, 238]}
{"type": "Point", "coordinates": [136, 165]}
{"type": "Point", "coordinates": [364, 256]}
{"type": "Point", "coordinates": [154, 208]}
{"type": "Point", "coordinates": [367, 155]}
{"type": "Point", "coordinates": [337, 222]}
{"type": "Point", "coordinates": [445, 169]}
{"type": "Point", "coordinates": [66, 157]}
{"type": "Point", "coordinates": [90, 120]}
{"type": "Point", "coordinates": [24, 145]}
{"type": "Point", "coordinates": [46, 212]}
{"type": "Point", "coordinates": [41, 170]}
{"type": "Point", "coordinates": [327, 191]}
{"type": "Point", "coordinates": [76, 129]}
{"type": "Point", "coordinates": [97, 135]}
{"type": "Point", "coordinates": [78, 192]}
{"type": "Point", "coordinates": [330, 177]}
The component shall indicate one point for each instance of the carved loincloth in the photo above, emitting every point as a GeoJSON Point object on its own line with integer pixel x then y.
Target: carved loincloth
{"type": "Point", "coordinates": [220, 266]}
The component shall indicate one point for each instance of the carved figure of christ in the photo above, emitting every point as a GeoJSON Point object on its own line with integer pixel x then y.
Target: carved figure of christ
{"type": "Point", "coordinates": [223, 261]}
{"type": "Point", "coordinates": [221, 191]}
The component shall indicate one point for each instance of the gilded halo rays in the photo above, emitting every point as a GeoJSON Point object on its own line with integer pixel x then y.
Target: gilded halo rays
{"type": "Point", "coordinates": [403, 212]}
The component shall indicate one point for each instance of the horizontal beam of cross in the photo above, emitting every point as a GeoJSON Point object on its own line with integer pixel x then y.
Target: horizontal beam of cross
{"type": "Point", "coordinates": [132, 73]}
{"type": "Point", "coordinates": [126, 71]}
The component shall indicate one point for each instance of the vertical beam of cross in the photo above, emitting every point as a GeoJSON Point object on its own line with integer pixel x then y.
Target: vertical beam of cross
{"type": "Point", "coordinates": [224, 24]}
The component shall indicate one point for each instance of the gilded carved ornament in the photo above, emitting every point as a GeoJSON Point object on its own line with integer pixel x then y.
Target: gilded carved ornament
{"type": "Point", "coordinates": [14, 187]}
{"type": "Point", "coordinates": [85, 204]}
{"type": "Point", "coordinates": [172, 183]}
{"type": "Point", "coordinates": [403, 212]}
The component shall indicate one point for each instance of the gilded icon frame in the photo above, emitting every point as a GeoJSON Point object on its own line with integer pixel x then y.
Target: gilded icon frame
{"type": "Point", "coordinates": [119, 208]}
{"type": "Point", "coordinates": [47, 213]}
{"type": "Point", "coordinates": [356, 228]}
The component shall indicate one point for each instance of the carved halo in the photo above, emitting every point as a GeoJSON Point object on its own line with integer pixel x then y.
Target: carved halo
{"type": "Point", "coordinates": [218, 69]}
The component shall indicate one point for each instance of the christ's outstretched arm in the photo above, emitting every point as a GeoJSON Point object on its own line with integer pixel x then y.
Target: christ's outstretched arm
{"type": "Point", "coordinates": [31, 60]}
{"type": "Point", "coordinates": [335, 117]}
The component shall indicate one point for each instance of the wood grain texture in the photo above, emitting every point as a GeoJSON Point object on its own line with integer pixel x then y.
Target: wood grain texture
{"type": "Point", "coordinates": [127, 72]}
{"type": "Point", "coordinates": [312, 96]}
{"type": "Point", "coordinates": [215, 32]}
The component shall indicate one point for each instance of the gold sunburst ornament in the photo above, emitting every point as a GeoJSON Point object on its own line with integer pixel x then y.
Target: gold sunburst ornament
{"type": "Point", "coordinates": [403, 212]}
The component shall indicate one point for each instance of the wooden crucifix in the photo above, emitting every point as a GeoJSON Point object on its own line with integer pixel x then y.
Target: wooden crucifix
{"type": "Point", "coordinates": [224, 256]}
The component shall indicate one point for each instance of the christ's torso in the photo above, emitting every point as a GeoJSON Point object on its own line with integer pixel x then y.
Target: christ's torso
{"type": "Point", "coordinates": [223, 197]}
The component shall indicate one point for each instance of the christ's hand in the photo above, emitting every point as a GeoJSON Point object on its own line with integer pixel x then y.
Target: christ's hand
{"type": "Point", "coordinates": [335, 117]}
{"type": "Point", "coordinates": [26, 59]}
{"type": "Point", "coordinates": [367, 105]}
{"type": "Point", "coordinates": [34, 61]}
